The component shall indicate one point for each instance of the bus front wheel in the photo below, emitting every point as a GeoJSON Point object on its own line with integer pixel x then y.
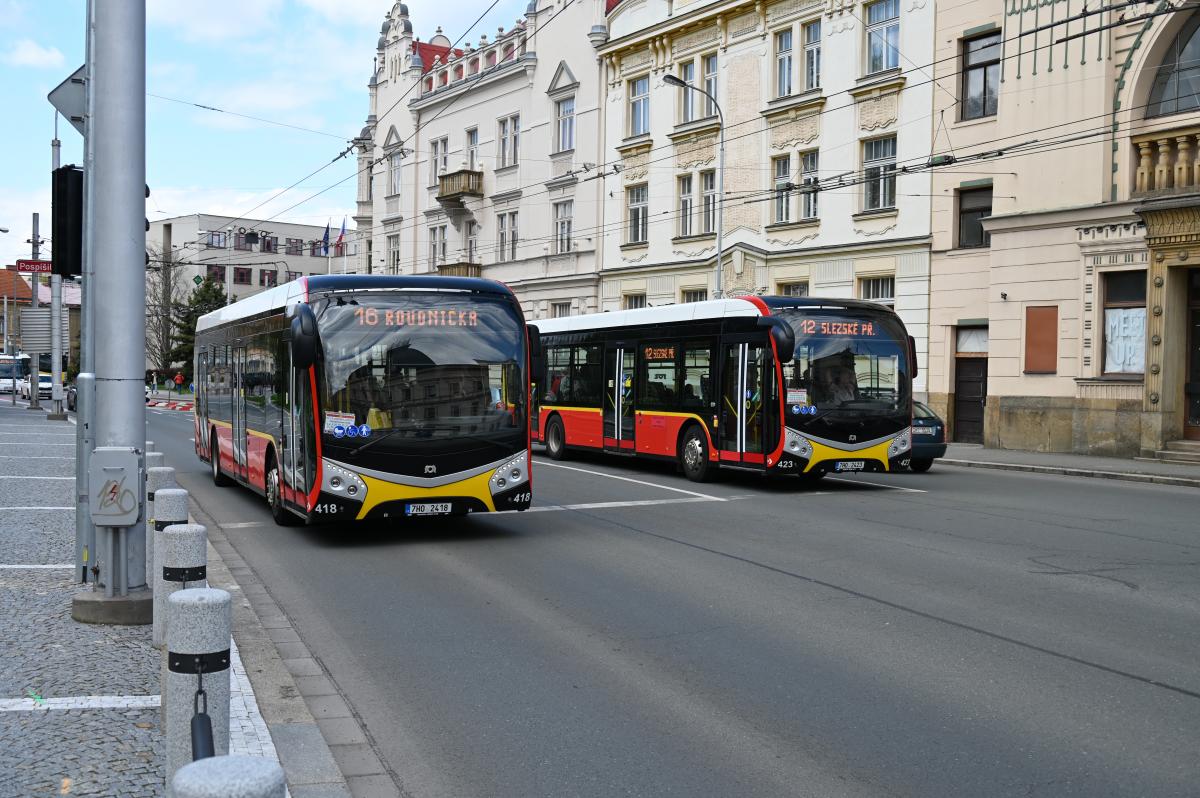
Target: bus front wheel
{"type": "Point", "coordinates": [556, 439]}
{"type": "Point", "coordinates": [693, 454]}
{"type": "Point", "coordinates": [214, 457]}
{"type": "Point", "coordinates": [274, 485]}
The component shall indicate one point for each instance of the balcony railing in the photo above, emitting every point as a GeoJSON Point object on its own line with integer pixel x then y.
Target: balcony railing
{"type": "Point", "coordinates": [454, 187]}
{"type": "Point", "coordinates": [460, 269]}
{"type": "Point", "coordinates": [1168, 162]}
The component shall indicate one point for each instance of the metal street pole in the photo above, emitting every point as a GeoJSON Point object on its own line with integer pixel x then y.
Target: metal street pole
{"type": "Point", "coordinates": [35, 357]}
{"type": "Point", "coordinates": [118, 136]}
{"type": "Point", "coordinates": [56, 331]}
{"type": "Point", "coordinates": [672, 80]}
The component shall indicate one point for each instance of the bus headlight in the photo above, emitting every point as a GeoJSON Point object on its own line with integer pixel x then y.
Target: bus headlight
{"type": "Point", "coordinates": [340, 482]}
{"type": "Point", "coordinates": [901, 443]}
{"type": "Point", "coordinates": [511, 474]}
{"type": "Point", "coordinates": [796, 444]}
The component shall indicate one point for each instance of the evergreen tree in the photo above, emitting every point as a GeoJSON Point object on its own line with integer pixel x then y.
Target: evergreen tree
{"type": "Point", "coordinates": [207, 297]}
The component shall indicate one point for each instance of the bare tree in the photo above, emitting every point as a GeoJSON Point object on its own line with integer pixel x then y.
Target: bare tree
{"type": "Point", "coordinates": [164, 287]}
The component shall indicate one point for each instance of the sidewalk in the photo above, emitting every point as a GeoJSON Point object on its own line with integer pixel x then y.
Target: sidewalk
{"type": "Point", "coordinates": [1076, 465]}
{"type": "Point", "coordinates": [79, 703]}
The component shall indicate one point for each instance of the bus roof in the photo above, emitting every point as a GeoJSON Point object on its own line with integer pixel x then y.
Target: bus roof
{"type": "Point", "coordinates": [697, 311]}
{"type": "Point", "coordinates": [281, 297]}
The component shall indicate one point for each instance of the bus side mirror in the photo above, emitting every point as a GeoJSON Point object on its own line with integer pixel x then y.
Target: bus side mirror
{"type": "Point", "coordinates": [782, 335]}
{"type": "Point", "coordinates": [535, 341]}
{"type": "Point", "coordinates": [912, 349]}
{"type": "Point", "coordinates": [304, 337]}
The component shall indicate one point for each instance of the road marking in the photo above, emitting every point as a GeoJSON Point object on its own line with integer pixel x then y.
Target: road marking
{"type": "Point", "coordinates": [241, 524]}
{"type": "Point", "coordinates": [19, 443]}
{"type": "Point", "coordinates": [875, 484]}
{"type": "Point", "coordinates": [555, 508]}
{"type": "Point", "coordinates": [38, 434]}
{"type": "Point", "coordinates": [704, 496]}
{"type": "Point", "coordinates": [81, 702]}
{"type": "Point", "coordinates": [15, 476]}
{"type": "Point", "coordinates": [29, 567]}
{"type": "Point", "coordinates": [32, 457]}
{"type": "Point", "coordinates": [72, 507]}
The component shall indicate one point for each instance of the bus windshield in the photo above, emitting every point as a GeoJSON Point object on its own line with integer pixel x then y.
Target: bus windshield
{"type": "Point", "coordinates": [406, 368]}
{"type": "Point", "coordinates": [847, 365]}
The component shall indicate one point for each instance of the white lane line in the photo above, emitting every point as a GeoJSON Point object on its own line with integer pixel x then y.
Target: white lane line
{"type": "Point", "coordinates": [32, 457]}
{"type": "Point", "coordinates": [81, 702]}
{"type": "Point", "coordinates": [26, 443]}
{"type": "Point", "coordinates": [38, 434]}
{"type": "Point", "coordinates": [37, 508]}
{"type": "Point", "coordinates": [704, 496]}
{"type": "Point", "coordinates": [242, 524]}
{"type": "Point", "coordinates": [557, 508]}
{"type": "Point", "coordinates": [875, 484]}
{"type": "Point", "coordinates": [28, 567]}
{"type": "Point", "coordinates": [16, 476]}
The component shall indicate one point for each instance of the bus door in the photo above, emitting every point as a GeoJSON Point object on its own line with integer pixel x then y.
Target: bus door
{"type": "Point", "coordinates": [747, 398]}
{"type": "Point", "coordinates": [295, 429]}
{"type": "Point", "coordinates": [618, 398]}
{"type": "Point", "coordinates": [239, 413]}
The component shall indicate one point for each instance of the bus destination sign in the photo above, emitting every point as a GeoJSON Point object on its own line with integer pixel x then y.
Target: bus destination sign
{"type": "Point", "coordinates": [372, 317]}
{"type": "Point", "coordinates": [838, 328]}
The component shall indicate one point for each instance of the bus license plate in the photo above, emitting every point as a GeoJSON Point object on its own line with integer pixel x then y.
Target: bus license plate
{"type": "Point", "coordinates": [850, 465]}
{"type": "Point", "coordinates": [440, 508]}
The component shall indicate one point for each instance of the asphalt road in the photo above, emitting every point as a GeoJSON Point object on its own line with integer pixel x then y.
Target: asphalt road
{"type": "Point", "coordinates": [961, 632]}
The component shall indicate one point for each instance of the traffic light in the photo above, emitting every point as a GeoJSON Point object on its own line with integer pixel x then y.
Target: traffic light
{"type": "Point", "coordinates": [66, 196]}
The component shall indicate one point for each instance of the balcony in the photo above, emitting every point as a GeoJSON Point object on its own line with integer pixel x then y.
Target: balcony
{"type": "Point", "coordinates": [454, 187]}
{"type": "Point", "coordinates": [459, 269]}
{"type": "Point", "coordinates": [1168, 163]}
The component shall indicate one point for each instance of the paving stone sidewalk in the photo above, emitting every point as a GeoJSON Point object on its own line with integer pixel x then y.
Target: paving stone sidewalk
{"type": "Point", "coordinates": [79, 709]}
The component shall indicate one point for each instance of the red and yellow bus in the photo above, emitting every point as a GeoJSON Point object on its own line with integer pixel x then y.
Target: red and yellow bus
{"type": "Point", "coordinates": [778, 385]}
{"type": "Point", "coordinates": [359, 396]}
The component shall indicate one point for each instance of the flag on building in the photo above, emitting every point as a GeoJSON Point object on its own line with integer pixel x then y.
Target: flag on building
{"type": "Point", "coordinates": [342, 234]}
{"type": "Point", "coordinates": [325, 241]}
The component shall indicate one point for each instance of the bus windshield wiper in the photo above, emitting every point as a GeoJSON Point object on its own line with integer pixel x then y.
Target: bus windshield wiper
{"type": "Point", "coordinates": [372, 442]}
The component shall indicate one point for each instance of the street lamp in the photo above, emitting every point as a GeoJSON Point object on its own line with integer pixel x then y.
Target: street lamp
{"type": "Point", "coordinates": [673, 80]}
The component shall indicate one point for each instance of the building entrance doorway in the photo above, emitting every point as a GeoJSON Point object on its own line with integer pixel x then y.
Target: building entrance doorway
{"type": "Point", "coordinates": [970, 393]}
{"type": "Point", "coordinates": [1191, 386]}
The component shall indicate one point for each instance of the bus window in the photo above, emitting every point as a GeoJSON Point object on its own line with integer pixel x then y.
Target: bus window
{"type": "Point", "coordinates": [696, 392]}
{"type": "Point", "coordinates": [558, 384]}
{"type": "Point", "coordinates": [659, 377]}
{"type": "Point", "coordinates": [587, 375]}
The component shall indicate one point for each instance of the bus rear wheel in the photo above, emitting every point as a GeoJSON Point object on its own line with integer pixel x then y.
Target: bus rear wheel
{"type": "Point", "coordinates": [214, 458]}
{"type": "Point", "coordinates": [274, 485]}
{"type": "Point", "coordinates": [693, 454]}
{"type": "Point", "coordinates": [556, 439]}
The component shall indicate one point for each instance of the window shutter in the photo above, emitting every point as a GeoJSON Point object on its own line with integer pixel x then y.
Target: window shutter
{"type": "Point", "coordinates": [1041, 340]}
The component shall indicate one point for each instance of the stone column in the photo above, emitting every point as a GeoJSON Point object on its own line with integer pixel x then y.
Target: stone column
{"type": "Point", "coordinates": [1162, 171]}
{"type": "Point", "coordinates": [1145, 168]}
{"type": "Point", "coordinates": [1183, 162]}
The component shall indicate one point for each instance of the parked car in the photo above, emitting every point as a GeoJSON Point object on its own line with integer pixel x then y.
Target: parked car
{"type": "Point", "coordinates": [45, 384]}
{"type": "Point", "coordinates": [929, 438]}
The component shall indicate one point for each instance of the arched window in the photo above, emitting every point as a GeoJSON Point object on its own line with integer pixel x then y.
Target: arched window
{"type": "Point", "coordinates": [1176, 88]}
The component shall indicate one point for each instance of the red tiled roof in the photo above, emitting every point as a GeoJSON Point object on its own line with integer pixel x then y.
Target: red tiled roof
{"type": "Point", "coordinates": [12, 286]}
{"type": "Point", "coordinates": [609, 5]}
{"type": "Point", "coordinates": [428, 52]}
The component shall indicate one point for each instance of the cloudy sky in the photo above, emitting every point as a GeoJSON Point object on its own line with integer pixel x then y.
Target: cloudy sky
{"type": "Point", "coordinates": [297, 62]}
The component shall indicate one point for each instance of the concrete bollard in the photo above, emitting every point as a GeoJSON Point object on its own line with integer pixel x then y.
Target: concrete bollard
{"type": "Point", "coordinates": [170, 509]}
{"type": "Point", "coordinates": [181, 562]}
{"type": "Point", "coordinates": [157, 478]}
{"type": "Point", "coordinates": [198, 642]}
{"type": "Point", "coordinates": [230, 777]}
{"type": "Point", "coordinates": [150, 447]}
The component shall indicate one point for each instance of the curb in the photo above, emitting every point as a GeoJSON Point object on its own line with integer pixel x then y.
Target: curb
{"type": "Point", "coordinates": [1155, 479]}
{"type": "Point", "coordinates": [307, 760]}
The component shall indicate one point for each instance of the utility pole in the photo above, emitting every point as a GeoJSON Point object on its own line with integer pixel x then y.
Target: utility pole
{"type": "Point", "coordinates": [56, 331]}
{"type": "Point", "coordinates": [35, 357]}
{"type": "Point", "coordinates": [118, 134]}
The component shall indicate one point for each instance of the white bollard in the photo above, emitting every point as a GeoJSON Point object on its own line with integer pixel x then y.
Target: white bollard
{"type": "Point", "coordinates": [170, 509]}
{"type": "Point", "coordinates": [150, 447]}
{"type": "Point", "coordinates": [198, 642]}
{"type": "Point", "coordinates": [157, 477]}
{"type": "Point", "coordinates": [230, 777]}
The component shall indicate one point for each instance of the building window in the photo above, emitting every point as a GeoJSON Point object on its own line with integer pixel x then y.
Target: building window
{"type": "Point", "coordinates": [473, 149]}
{"type": "Point", "coordinates": [471, 237]}
{"type": "Point", "coordinates": [686, 200]}
{"type": "Point", "coordinates": [687, 73]}
{"type": "Point", "coordinates": [294, 276]}
{"type": "Point", "coordinates": [267, 278]}
{"type": "Point", "coordinates": [270, 244]}
{"type": "Point", "coordinates": [1124, 322]}
{"type": "Point", "coordinates": [981, 76]}
{"type": "Point", "coordinates": [216, 273]}
{"type": "Point", "coordinates": [883, 35]}
{"type": "Point", "coordinates": [694, 294]}
{"type": "Point", "coordinates": [633, 301]}
{"type": "Point", "coordinates": [239, 242]}
{"type": "Point", "coordinates": [879, 166]}
{"type": "Point", "coordinates": [636, 200]}
{"type": "Point", "coordinates": [973, 207]}
{"type": "Point", "coordinates": [1041, 340]}
{"type": "Point", "coordinates": [710, 83]}
{"type": "Point", "coordinates": [878, 289]}
{"type": "Point", "coordinates": [438, 158]}
{"type": "Point", "coordinates": [216, 239]}
{"type": "Point", "coordinates": [782, 167]}
{"type": "Point", "coordinates": [564, 124]}
{"type": "Point", "coordinates": [295, 246]}
{"type": "Point", "coordinates": [812, 55]}
{"type": "Point", "coordinates": [639, 106]}
{"type": "Point", "coordinates": [506, 225]}
{"type": "Point", "coordinates": [509, 140]}
{"type": "Point", "coordinates": [560, 310]}
{"type": "Point", "coordinates": [437, 245]}
{"type": "Point", "coordinates": [241, 275]}
{"type": "Point", "coordinates": [809, 179]}
{"type": "Point", "coordinates": [394, 173]}
{"type": "Point", "coordinates": [1174, 88]}
{"type": "Point", "coordinates": [793, 289]}
{"type": "Point", "coordinates": [563, 211]}
{"type": "Point", "coordinates": [393, 254]}
{"type": "Point", "coordinates": [783, 63]}
{"type": "Point", "coordinates": [708, 211]}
